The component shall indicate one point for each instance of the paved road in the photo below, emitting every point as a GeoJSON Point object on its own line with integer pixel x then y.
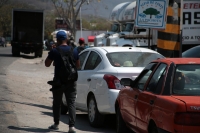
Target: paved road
{"type": "Point", "coordinates": [7, 115]}
{"type": "Point", "coordinates": [25, 102]}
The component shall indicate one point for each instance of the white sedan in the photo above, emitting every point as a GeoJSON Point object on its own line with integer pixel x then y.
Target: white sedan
{"type": "Point", "coordinates": [99, 77]}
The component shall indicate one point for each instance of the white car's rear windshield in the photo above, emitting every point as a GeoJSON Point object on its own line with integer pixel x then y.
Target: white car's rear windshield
{"type": "Point", "coordinates": [131, 59]}
{"type": "Point", "coordinates": [187, 80]}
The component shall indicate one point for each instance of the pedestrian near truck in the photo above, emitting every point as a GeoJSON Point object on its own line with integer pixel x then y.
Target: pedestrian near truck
{"type": "Point", "coordinates": [82, 45]}
{"type": "Point", "coordinates": [68, 87]}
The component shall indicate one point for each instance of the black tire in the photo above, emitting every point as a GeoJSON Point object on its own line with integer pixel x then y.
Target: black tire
{"type": "Point", "coordinates": [38, 53]}
{"type": "Point", "coordinates": [120, 124]}
{"type": "Point", "coordinates": [64, 109]}
{"type": "Point", "coordinates": [95, 118]}
{"type": "Point", "coordinates": [15, 51]}
{"type": "Point", "coordinates": [153, 128]}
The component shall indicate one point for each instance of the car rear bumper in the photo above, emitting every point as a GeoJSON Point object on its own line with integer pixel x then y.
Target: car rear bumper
{"type": "Point", "coordinates": [181, 129]}
{"type": "Point", "coordinates": [162, 131]}
{"type": "Point", "coordinates": [186, 129]}
{"type": "Point", "coordinates": [106, 102]}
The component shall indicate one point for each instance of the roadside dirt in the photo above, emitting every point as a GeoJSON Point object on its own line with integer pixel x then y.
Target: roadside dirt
{"type": "Point", "coordinates": [30, 100]}
{"type": "Point", "coordinates": [30, 96]}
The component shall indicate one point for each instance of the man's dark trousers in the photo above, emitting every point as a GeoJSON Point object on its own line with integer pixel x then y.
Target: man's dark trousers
{"type": "Point", "coordinates": [70, 93]}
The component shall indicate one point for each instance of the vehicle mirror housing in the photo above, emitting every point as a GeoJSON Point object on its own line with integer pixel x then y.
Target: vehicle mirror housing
{"type": "Point", "coordinates": [134, 77]}
{"type": "Point", "coordinates": [125, 81]}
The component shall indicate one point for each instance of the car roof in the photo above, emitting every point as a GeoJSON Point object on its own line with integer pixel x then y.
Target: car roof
{"type": "Point", "coordinates": [195, 47]}
{"type": "Point", "coordinates": [181, 60]}
{"type": "Point", "coordinates": [192, 52]}
{"type": "Point", "coordinates": [123, 49]}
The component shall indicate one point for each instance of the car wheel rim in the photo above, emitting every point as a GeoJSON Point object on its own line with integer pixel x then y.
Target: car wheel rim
{"type": "Point", "coordinates": [91, 110]}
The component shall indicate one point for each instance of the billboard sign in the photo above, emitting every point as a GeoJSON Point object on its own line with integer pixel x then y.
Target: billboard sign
{"type": "Point", "coordinates": [190, 23]}
{"type": "Point", "coordinates": [61, 24]}
{"type": "Point", "coordinates": [151, 14]}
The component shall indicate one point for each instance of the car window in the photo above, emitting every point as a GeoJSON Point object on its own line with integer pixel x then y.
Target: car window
{"type": "Point", "coordinates": [82, 57]}
{"type": "Point", "coordinates": [129, 27]}
{"type": "Point", "coordinates": [155, 84]}
{"type": "Point", "coordinates": [187, 80]}
{"type": "Point", "coordinates": [144, 76]}
{"type": "Point", "coordinates": [143, 80]}
{"type": "Point", "coordinates": [131, 59]}
{"type": "Point", "coordinates": [93, 61]}
{"type": "Point", "coordinates": [115, 27]}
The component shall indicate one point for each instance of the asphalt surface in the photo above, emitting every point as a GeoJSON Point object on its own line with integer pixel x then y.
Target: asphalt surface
{"type": "Point", "coordinates": [25, 99]}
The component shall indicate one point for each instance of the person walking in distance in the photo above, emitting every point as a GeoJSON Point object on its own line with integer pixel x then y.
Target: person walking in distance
{"type": "Point", "coordinates": [81, 46]}
{"type": "Point", "coordinates": [68, 87]}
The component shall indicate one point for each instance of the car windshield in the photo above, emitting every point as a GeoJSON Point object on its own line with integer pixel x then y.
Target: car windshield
{"type": "Point", "coordinates": [129, 27]}
{"type": "Point", "coordinates": [123, 27]}
{"type": "Point", "coordinates": [115, 27]}
{"type": "Point", "coordinates": [132, 59]}
{"type": "Point", "coordinates": [193, 52]}
{"type": "Point", "coordinates": [187, 80]}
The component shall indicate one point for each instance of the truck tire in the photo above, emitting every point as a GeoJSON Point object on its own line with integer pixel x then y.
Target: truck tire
{"type": "Point", "coordinates": [15, 51]}
{"type": "Point", "coordinates": [38, 53]}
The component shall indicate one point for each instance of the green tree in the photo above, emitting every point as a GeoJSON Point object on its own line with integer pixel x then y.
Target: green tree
{"type": "Point", "coordinates": [151, 11]}
{"type": "Point", "coordinates": [6, 16]}
{"type": "Point", "coordinates": [100, 22]}
{"type": "Point", "coordinates": [85, 24]}
{"type": "Point", "coordinates": [49, 24]}
{"type": "Point", "coordinates": [3, 2]}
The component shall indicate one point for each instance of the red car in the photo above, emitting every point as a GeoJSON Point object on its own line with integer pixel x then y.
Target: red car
{"type": "Point", "coordinates": [164, 98]}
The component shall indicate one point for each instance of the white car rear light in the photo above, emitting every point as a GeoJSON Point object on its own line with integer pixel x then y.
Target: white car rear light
{"type": "Point", "coordinates": [112, 81]}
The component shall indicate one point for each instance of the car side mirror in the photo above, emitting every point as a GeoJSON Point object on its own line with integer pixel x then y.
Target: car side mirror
{"type": "Point", "coordinates": [133, 77]}
{"type": "Point", "coordinates": [126, 81]}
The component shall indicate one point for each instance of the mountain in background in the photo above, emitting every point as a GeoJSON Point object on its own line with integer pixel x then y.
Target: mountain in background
{"type": "Point", "coordinates": [97, 9]}
{"type": "Point", "coordinates": [103, 8]}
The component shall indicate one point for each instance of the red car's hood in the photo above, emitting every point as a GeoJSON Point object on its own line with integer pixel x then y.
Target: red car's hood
{"type": "Point", "coordinates": [192, 102]}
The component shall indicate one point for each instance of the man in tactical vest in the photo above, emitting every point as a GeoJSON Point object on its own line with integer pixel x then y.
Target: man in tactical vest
{"type": "Point", "coordinates": [69, 88]}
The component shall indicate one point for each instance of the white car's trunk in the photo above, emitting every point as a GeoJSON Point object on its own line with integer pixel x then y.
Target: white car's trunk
{"type": "Point", "coordinates": [128, 72]}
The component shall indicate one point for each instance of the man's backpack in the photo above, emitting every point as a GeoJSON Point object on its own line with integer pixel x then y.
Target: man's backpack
{"type": "Point", "coordinates": [68, 70]}
{"type": "Point", "coordinates": [79, 49]}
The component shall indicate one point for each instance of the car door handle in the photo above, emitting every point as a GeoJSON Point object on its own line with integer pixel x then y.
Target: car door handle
{"type": "Point", "coordinates": [88, 80]}
{"type": "Point", "coordinates": [136, 96]}
{"type": "Point", "coordinates": [151, 102]}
